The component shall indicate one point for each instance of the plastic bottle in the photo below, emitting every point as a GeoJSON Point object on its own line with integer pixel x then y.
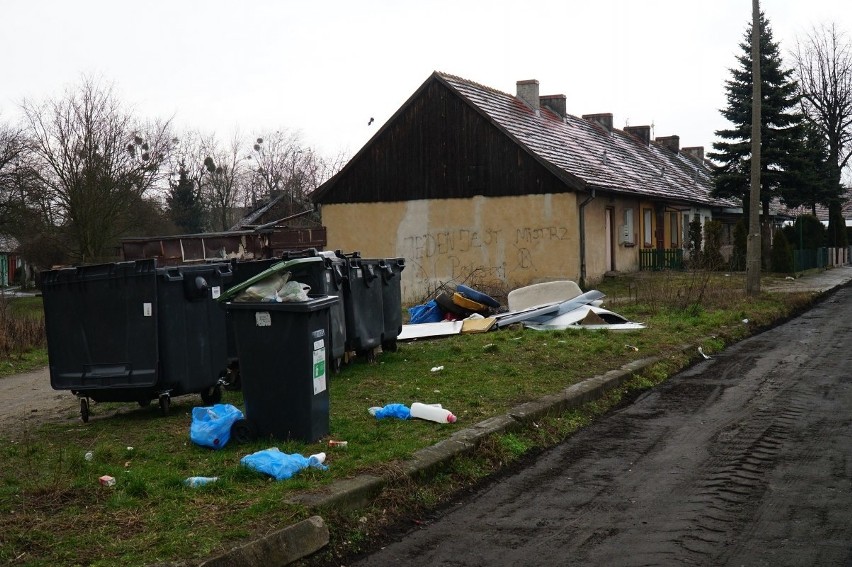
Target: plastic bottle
{"type": "Point", "coordinates": [432, 413]}
{"type": "Point", "coordinates": [194, 481]}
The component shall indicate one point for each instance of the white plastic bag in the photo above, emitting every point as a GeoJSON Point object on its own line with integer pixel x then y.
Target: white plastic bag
{"type": "Point", "coordinates": [294, 291]}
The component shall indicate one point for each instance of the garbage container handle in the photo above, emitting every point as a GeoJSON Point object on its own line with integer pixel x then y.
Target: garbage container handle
{"type": "Point", "coordinates": [369, 273]}
{"type": "Point", "coordinates": [386, 270]}
{"type": "Point", "coordinates": [173, 274]}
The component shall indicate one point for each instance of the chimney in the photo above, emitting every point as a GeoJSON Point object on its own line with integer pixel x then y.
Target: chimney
{"type": "Point", "coordinates": [604, 119]}
{"type": "Point", "coordinates": [670, 142]}
{"type": "Point", "coordinates": [696, 151]}
{"type": "Point", "coordinates": [528, 92]}
{"type": "Point", "coordinates": [641, 133]}
{"type": "Point", "coordinates": [556, 103]}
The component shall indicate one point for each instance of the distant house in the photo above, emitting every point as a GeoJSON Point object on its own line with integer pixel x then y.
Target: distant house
{"type": "Point", "coordinates": [468, 183]}
{"type": "Point", "coordinates": [11, 262]}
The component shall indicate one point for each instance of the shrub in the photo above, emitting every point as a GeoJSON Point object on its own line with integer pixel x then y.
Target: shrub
{"type": "Point", "coordinates": [782, 253]}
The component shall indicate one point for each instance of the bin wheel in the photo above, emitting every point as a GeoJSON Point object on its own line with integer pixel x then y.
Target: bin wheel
{"type": "Point", "coordinates": [368, 355]}
{"type": "Point", "coordinates": [337, 365]}
{"type": "Point", "coordinates": [165, 402]}
{"type": "Point", "coordinates": [84, 410]}
{"type": "Point", "coordinates": [389, 346]}
{"type": "Point", "coordinates": [211, 395]}
{"type": "Point", "coordinates": [242, 431]}
{"type": "Point", "coordinates": [144, 403]}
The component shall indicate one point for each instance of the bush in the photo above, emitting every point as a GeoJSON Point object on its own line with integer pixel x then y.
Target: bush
{"type": "Point", "coordinates": [782, 253]}
{"type": "Point", "coordinates": [711, 258]}
{"type": "Point", "coordinates": [807, 230]}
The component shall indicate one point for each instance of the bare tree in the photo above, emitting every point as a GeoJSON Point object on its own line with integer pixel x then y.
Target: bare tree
{"type": "Point", "coordinates": [279, 167]}
{"type": "Point", "coordinates": [224, 187]}
{"type": "Point", "coordinates": [96, 161]}
{"type": "Point", "coordinates": [824, 71]}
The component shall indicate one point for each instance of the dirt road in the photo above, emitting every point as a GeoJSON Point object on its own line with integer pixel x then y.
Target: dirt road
{"type": "Point", "coordinates": [745, 459]}
{"type": "Point", "coordinates": [27, 400]}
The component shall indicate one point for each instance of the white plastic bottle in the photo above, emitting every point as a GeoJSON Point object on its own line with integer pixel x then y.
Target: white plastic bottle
{"type": "Point", "coordinates": [194, 481]}
{"type": "Point", "coordinates": [432, 413]}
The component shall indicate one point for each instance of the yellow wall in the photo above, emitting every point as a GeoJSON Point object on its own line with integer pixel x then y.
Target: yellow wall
{"type": "Point", "coordinates": [508, 242]}
{"type": "Point", "coordinates": [505, 241]}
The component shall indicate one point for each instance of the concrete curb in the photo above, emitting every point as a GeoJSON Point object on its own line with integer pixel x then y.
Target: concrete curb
{"type": "Point", "coordinates": [280, 548]}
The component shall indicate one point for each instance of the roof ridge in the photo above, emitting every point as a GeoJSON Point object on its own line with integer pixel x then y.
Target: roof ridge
{"type": "Point", "coordinates": [473, 83]}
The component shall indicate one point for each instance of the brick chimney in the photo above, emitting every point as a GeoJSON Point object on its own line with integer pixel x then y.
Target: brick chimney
{"type": "Point", "coordinates": [670, 142]}
{"type": "Point", "coordinates": [641, 133]}
{"type": "Point", "coordinates": [604, 119]}
{"type": "Point", "coordinates": [695, 151]}
{"type": "Point", "coordinates": [528, 92]}
{"type": "Point", "coordinates": [556, 103]}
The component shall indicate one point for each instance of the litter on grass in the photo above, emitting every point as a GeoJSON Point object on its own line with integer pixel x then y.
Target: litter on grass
{"type": "Point", "coordinates": [546, 306]}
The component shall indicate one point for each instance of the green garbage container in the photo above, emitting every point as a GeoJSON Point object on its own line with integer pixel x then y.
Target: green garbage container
{"type": "Point", "coordinates": [284, 354]}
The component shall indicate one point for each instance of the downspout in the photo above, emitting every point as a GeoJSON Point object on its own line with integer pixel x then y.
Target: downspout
{"type": "Point", "coordinates": [583, 239]}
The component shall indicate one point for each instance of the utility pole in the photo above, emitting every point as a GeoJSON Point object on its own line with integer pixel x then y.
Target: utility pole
{"type": "Point", "coordinates": [753, 241]}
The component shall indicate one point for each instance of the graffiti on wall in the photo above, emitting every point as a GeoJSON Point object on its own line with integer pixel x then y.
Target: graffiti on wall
{"type": "Point", "coordinates": [463, 251]}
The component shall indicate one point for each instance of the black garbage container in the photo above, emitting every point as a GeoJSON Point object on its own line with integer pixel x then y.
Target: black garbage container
{"type": "Point", "coordinates": [133, 332]}
{"type": "Point", "coordinates": [362, 301]}
{"type": "Point", "coordinates": [242, 271]}
{"type": "Point", "coordinates": [324, 273]}
{"type": "Point", "coordinates": [284, 356]}
{"type": "Point", "coordinates": [391, 271]}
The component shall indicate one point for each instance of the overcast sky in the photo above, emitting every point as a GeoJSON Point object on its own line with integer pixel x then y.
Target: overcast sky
{"type": "Point", "coordinates": [325, 67]}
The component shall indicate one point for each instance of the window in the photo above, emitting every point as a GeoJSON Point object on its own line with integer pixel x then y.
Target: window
{"type": "Point", "coordinates": [674, 229]}
{"type": "Point", "coordinates": [627, 227]}
{"type": "Point", "coordinates": [646, 228]}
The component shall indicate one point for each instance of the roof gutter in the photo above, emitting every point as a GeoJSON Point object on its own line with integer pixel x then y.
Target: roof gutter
{"type": "Point", "coordinates": [583, 238]}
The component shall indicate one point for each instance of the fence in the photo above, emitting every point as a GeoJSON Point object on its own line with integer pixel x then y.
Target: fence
{"type": "Point", "coordinates": [668, 259]}
{"type": "Point", "coordinates": [807, 259]}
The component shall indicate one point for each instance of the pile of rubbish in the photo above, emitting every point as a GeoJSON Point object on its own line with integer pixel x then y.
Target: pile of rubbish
{"type": "Point", "coordinates": [545, 306]}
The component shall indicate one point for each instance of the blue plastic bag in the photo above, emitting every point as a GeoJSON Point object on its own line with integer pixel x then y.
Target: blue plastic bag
{"type": "Point", "coordinates": [211, 425]}
{"type": "Point", "coordinates": [399, 411]}
{"type": "Point", "coordinates": [280, 465]}
{"type": "Point", "coordinates": [429, 312]}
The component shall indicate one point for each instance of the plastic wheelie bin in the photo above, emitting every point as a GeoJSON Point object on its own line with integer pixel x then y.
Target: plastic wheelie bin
{"type": "Point", "coordinates": [362, 301]}
{"type": "Point", "coordinates": [284, 356]}
{"type": "Point", "coordinates": [324, 273]}
{"type": "Point", "coordinates": [133, 332]}
{"type": "Point", "coordinates": [391, 271]}
{"type": "Point", "coordinates": [242, 271]}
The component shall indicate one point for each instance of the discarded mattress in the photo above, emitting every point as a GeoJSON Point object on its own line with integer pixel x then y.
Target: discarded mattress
{"type": "Point", "coordinates": [542, 294]}
{"type": "Point", "coordinates": [542, 313]}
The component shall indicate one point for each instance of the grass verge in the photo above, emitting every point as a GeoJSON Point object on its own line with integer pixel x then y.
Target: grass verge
{"type": "Point", "coordinates": [54, 511]}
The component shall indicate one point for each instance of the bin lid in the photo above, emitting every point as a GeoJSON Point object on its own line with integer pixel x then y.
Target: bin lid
{"type": "Point", "coordinates": [274, 269]}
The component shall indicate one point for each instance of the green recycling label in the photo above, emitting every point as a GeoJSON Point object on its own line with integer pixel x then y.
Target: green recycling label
{"type": "Point", "coordinates": [319, 366]}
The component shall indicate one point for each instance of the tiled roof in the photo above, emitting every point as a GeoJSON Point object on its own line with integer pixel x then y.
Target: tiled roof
{"type": "Point", "coordinates": [612, 161]}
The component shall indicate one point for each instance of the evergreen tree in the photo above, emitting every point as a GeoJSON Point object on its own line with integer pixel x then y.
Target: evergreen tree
{"type": "Point", "coordinates": [781, 125]}
{"type": "Point", "coordinates": [782, 253]}
{"type": "Point", "coordinates": [184, 206]}
{"type": "Point", "coordinates": [811, 173]}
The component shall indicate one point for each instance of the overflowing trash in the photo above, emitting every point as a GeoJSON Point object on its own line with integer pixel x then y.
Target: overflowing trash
{"type": "Point", "coordinates": [281, 466]}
